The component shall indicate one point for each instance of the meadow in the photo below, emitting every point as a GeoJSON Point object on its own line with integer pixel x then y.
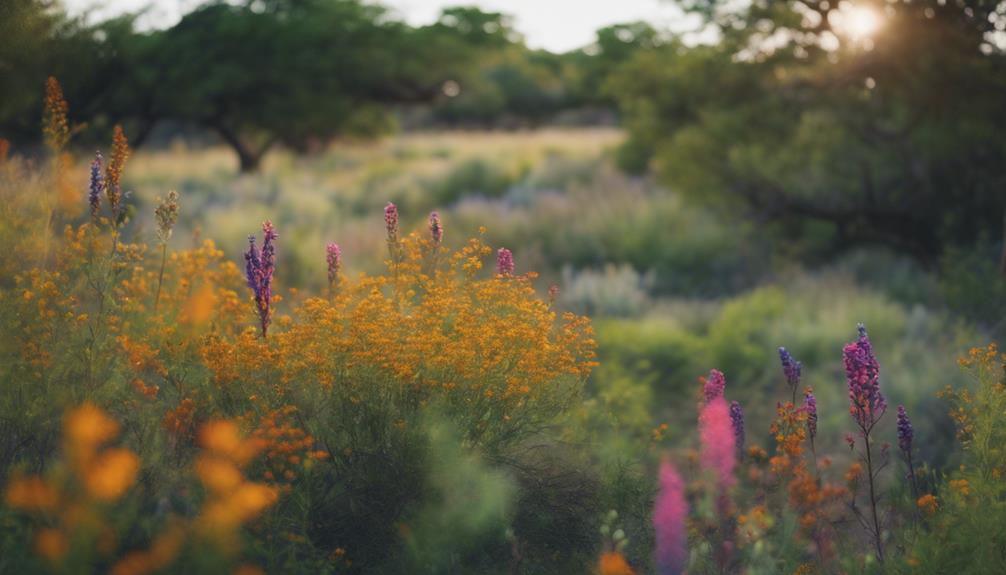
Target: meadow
{"type": "Point", "coordinates": [468, 352]}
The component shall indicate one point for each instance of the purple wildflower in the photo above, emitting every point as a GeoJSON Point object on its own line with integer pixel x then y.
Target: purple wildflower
{"type": "Point", "coordinates": [259, 267]}
{"type": "Point", "coordinates": [810, 405]}
{"type": "Point", "coordinates": [504, 262]}
{"type": "Point", "coordinates": [436, 228]}
{"type": "Point", "coordinates": [714, 385]}
{"type": "Point", "coordinates": [866, 402]}
{"type": "Point", "coordinates": [391, 222]}
{"type": "Point", "coordinates": [97, 184]}
{"type": "Point", "coordinates": [333, 256]}
{"type": "Point", "coordinates": [790, 367]}
{"type": "Point", "coordinates": [905, 431]}
{"type": "Point", "coordinates": [737, 420]}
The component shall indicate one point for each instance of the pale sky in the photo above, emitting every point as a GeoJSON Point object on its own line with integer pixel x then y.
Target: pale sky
{"type": "Point", "coordinates": [557, 25]}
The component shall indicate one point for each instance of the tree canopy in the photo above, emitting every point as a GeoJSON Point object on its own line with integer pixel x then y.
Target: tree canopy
{"type": "Point", "coordinates": [873, 123]}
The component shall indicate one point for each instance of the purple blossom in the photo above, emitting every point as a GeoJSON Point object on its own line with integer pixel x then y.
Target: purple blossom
{"type": "Point", "coordinates": [504, 262]}
{"type": "Point", "coordinates": [810, 405]}
{"type": "Point", "coordinates": [862, 371]}
{"type": "Point", "coordinates": [714, 385]}
{"type": "Point", "coordinates": [436, 228]}
{"type": "Point", "coordinates": [333, 256]}
{"type": "Point", "coordinates": [391, 222]}
{"type": "Point", "coordinates": [259, 267]}
{"type": "Point", "coordinates": [737, 421]}
{"type": "Point", "coordinates": [790, 367]}
{"type": "Point", "coordinates": [97, 184]}
{"type": "Point", "coordinates": [905, 431]}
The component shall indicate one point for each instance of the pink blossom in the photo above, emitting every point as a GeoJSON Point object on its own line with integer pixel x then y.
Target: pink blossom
{"type": "Point", "coordinates": [714, 385]}
{"type": "Point", "coordinates": [669, 514]}
{"type": "Point", "coordinates": [716, 434]}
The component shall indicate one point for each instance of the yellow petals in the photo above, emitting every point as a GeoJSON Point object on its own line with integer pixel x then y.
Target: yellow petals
{"type": "Point", "coordinates": [613, 563]}
{"type": "Point", "coordinates": [31, 494]}
{"type": "Point", "coordinates": [109, 476]}
{"type": "Point", "coordinates": [51, 544]}
{"type": "Point", "coordinates": [87, 427]}
{"type": "Point", "coordinates": [218, 474]}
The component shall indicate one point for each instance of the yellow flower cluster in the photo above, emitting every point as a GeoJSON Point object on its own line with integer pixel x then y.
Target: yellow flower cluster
{"type": "Point", "coordinates": [487, 346]}
{"type": "Point", "coordinates": [99, 476]}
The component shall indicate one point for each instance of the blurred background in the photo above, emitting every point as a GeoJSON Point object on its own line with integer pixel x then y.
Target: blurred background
{"type": "Point", "coordinates": [708, 180]}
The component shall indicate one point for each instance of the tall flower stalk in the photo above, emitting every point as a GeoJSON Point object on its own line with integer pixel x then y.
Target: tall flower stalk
{"type": "Point", "coordinates": [504, 262]}
{"type": "Point", "coordinates": [167, 216]}
{"type": "Point", "coordinates": [906, 434]}
{"type": "Point", "coordinates": [259, 267]}
{"type": "Point", "coordinates": [737, 421]}
{"type": "Point", "coordinates": [669, 515]}
{"type": "Point", "coordinates": [96, 187]}
{"type": "Point", "coordinates": [791, 368]}
{"type": "Point", "coordinates": [866, 405]}
{"type": "Point", "coordinates": [333, 259]}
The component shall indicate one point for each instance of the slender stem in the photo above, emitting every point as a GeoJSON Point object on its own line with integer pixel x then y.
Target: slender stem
{"type": "Point", "coordinates": [911, 477]}
{"type": "Point", "coordinates": [160, 276]}
{"type": "Point", "coordinates": [873, 499]}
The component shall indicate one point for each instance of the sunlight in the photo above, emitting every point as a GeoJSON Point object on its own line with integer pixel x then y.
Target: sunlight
{"type": "Point", "coordinates": [861, 22]}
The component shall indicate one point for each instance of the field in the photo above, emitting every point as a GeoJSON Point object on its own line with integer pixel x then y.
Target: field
{"type": "Point", "coordinates": [468, 352]}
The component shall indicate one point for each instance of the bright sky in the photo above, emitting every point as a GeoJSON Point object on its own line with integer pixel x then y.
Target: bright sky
{"type": "Point", "coordinates": [557, 25]}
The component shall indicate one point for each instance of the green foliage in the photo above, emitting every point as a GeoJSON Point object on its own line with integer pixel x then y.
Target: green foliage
{"type": "Point", "coordinates": [965, 533]}
{"type": "Point", "coordinates": [795, 121]}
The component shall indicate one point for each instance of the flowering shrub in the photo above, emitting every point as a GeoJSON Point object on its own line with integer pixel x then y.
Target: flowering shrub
{"type": "Point", "coordinates": [249, 424]}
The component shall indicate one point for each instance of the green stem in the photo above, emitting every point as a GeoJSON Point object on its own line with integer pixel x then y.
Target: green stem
{"type": "Point", "coordinates": [873, 500]}
{"type": "Point", "coordinates": [160, 276]}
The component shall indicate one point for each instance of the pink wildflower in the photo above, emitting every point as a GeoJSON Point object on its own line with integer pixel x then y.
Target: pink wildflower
{"type": "Point", "coordinates": [669, 514]}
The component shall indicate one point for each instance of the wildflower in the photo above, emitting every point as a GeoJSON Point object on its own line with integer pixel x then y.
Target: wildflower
{"type": "Point", "coordinates": [714, 385]}
{"type": "Point", "coordinates": [716, 434]}
{"type": "Point", "coordinates": [166, 214]}
{"type": "Point", "coordinates": [867, 403]}
{"type": "Point", "coordinates": [113, 172]}
{"type": "Point", "coordinates": [961, 486]}
{"type": "Point", "coordinates": [790, 367]}
{"type": "Point", "coordinates": [504, 262]}
{"type": "Point", "coordinates": [737, 421]}
{"type": "Point", "coordinates": [905, 431]}
{"type": "Point", "coordinates": [613, 563]}
{"type": "Point", "coordinates": [854, 472]}
{"type": "Point", "coordinates": [333, 256]}
{"type": "Point", "coordinates": [436, 228]}
{"type": "Point", "coordinates": [51, 544]}
{"type": "Point", "coordinates": [87, 427]}
{"type": "Point", "coordinates": [391, 222]}
{"type": "Point", "coordinates": [55, 125]}
{"type": "Point", "coordinates": [810, 406]}
{"type": "Point", "coordinates": [927, 503]}
{"type": "Point", "coordinates": [259, 267]}
{"type": "Point", "coordinates": [97, 185]}
{"type": "Point", "coordinates": [111, 474]}
{"type": "Point", "coordinates": [669, 515]}
{"type": "Point", "coordinates": [31, 494]}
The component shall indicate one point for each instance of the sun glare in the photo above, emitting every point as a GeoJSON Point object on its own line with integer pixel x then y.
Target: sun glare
{"type": "Point", "coordinates": [861, 22]}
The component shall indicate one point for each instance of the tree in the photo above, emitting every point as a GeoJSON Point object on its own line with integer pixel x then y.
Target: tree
{"type": "Point", "coordinates": [801, 114]}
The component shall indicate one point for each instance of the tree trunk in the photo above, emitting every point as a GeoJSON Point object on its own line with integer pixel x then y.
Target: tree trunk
{"type": "Point", "coordinates": [250, 162]}
{"type": "Point", "coordinates": [249, 158]}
